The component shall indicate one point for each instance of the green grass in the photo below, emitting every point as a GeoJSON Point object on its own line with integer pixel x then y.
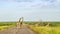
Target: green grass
{"type": "Point", "coordinates": [54, 28]}
{"type": "Point", "coordinates": [52, 24]}
{"type": "Point", "coordinates": [6, 25]}
{"type": "Point", "coordinates": [46, 30]}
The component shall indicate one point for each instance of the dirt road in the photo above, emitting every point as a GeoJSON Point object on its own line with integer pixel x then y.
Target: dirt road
{"type": "Point", "coordinates": [23, 30]}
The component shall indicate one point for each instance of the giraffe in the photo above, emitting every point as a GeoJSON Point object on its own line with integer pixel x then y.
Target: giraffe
{"type": "Point", "coordinates": [20, 23]}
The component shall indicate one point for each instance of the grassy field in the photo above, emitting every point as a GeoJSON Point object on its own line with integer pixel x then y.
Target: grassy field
{"type": "Point", "coordinates": [46, 30]}
{"type": "Point", "coordinates": [41, 28]}
{"type": "Point", "coordinates": [53, 28]}
{"type": "Point", "coordinates": [6, 25]}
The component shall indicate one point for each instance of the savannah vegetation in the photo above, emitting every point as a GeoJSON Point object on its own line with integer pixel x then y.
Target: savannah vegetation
{"type": "Point", "coordinates": [6, 25]}
{"type": "Point", "coordinates": [45, 27]}
{"type": "Point", "coordinates": [38, 27]}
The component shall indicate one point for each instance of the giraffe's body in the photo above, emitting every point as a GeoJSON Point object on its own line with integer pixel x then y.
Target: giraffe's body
{"type": "Point", "coordinates": [20, 23]}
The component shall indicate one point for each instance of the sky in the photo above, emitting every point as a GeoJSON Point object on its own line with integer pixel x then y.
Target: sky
{"type": "Point", "coordinates": [31, 10]}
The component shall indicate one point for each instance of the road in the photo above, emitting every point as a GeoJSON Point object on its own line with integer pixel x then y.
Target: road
{"type": "Point", "coordinates": [15, 30]}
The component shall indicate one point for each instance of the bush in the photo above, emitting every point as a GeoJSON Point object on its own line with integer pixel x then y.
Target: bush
{"type": "Point", "coordinates": [46, 30]}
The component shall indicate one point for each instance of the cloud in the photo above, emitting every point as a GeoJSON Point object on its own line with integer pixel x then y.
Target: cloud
{"type": "Point", "coordinates": [30, 8]}
{"type": "Point", "coordinates": [38, 3]}
{"type": "Point", "coordinates": [34, 3]}
{"type": "Point", "coordinates": [31, 3]}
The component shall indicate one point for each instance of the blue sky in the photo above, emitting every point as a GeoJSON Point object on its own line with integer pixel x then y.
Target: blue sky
{"type": "Point", "coordinates": [31, 10]}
